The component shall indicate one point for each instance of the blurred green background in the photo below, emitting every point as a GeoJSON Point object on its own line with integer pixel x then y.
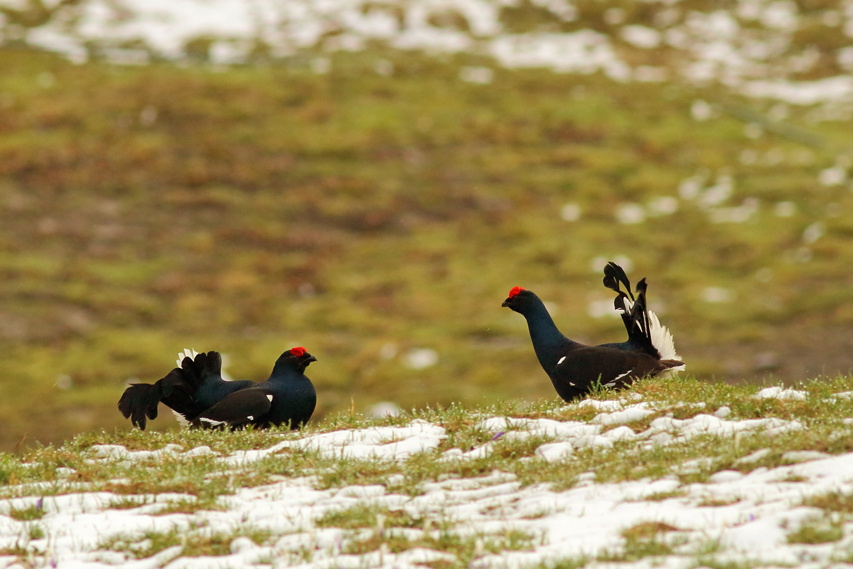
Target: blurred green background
{"type": "Point", "coordinates": [376, 204]}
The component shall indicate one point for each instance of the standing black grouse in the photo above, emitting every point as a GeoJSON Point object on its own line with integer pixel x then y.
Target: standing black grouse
{"type": "Point", "coordinates": [197, 394]}
{"type": "Point", "coordinates": [574, 368]}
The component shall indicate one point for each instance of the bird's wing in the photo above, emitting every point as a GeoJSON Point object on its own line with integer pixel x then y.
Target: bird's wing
{"type": "Point", "coordinates": [176, 392]}
{"type": "Point", "coordinates": [239, 408]}
{"type": "Point", "coordinates": [584, 368]}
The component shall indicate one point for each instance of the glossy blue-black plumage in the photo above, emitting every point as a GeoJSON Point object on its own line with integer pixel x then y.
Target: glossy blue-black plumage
{"type": "Point", "coordinates": [197, 386]}
{"type": "Point", "coordinates": [574, 368]}
{"type": "Point", "coordinates": [287, 397]}
{"type": "Point", "coordinates": [635, 318]}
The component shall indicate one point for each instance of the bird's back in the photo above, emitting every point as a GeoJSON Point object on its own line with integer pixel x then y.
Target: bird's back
{"type": "Point", "coordinates": [200, 377]}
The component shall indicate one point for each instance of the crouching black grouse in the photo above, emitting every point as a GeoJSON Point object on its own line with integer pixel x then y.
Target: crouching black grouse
{"type": "Point", "coordinates": [574, 368]}
{"type": "Point", "coordinates": [197, 394]}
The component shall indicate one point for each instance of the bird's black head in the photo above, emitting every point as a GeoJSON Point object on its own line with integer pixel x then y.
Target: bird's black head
{"type": "Point", "coordinates": [297, 358]}
{"type": "Point", "coordinates": [519, 299]}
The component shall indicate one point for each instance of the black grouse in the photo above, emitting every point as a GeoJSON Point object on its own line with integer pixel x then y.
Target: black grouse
{"type": "Point", "coordinates": [574, 368]}
{"type": "Point", "coordinates": [286, 398]}
{"type": "Point", "coordinates": [197, 394]}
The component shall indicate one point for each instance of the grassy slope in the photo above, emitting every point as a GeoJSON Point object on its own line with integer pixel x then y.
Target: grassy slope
{"type": "Point", "coordinates": [410, 204]}
{"type": "Point", "coordinates": [820, 413]}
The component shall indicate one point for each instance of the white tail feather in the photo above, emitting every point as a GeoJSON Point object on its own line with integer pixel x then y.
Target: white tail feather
{"type": "Point", "coordinates": [659, 335]}
{"type": "Point", "coordinates": [662, 339]}
{"type": "Point", "coordinates": [181, 419]}
{"type": "Point", "coordinates": [187, 353]}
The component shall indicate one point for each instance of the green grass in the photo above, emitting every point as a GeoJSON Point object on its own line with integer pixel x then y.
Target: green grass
{"type": "Point", "coordinates": [646, 539]}
{"type": "Point", "coordinates": [126, 503]}
{"type": "Point", "coordinates": [34, 512]}
{"type": "Point", "coordinates": [194, 542]}
{"type": "Point", "coordinates": [817, 530]}
{"type": "Point", "coordinates": [832, 502]}
{"type": "Point", "coordinates": [269, 206]}
{"type": "Point", "coordinates": [820, 414]}
{"type": "Point", "coordinates": [370, 528]}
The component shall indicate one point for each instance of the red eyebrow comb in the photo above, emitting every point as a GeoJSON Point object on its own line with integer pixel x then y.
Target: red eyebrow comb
{"type": "Point", "coordinates": [515, 290]}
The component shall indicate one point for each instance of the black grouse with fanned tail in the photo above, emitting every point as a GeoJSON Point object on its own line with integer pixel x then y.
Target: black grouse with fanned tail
{"type": "Point", "coordinates": [575, 368]}
{"type": "Point", "coordinates": [195, 389]}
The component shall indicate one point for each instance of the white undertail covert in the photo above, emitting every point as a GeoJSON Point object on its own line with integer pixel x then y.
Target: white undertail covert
{"type": "Point", "coordinates": [187, 353]}
{"type": "Point", "coordinates": [660, 336]}
{"type": "Point", "coordinates": [191, 354]}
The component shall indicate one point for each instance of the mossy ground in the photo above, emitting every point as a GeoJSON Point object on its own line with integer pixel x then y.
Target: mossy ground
{"type": "Point", "coordinates": [254, 208]}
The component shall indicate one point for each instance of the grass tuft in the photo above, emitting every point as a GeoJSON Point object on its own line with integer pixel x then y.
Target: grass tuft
{"type": "Point", "coordinates": [646, 539]}
{"type": "Point", "coordinates": [817, 530]}
{"type": "Point", "coordinates": [34, 512]}
{"type": "Point", "coordinates": [195, 542]}
{"type": "Point", "coordinates": [832, 502]}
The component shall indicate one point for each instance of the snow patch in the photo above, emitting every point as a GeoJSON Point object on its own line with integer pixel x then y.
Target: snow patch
{"type": "Point", "coordinates": [385, 443]}
{"type": "Point", "coordinates": [586, 519]}
{"type": "Point", "coordinates": [781, 393]}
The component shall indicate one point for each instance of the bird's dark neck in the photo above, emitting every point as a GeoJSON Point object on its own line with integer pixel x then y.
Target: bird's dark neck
{"type": "Point", "coordinates": [285, 374]}
{"type": "Point", "coordinates": [548, 342]}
